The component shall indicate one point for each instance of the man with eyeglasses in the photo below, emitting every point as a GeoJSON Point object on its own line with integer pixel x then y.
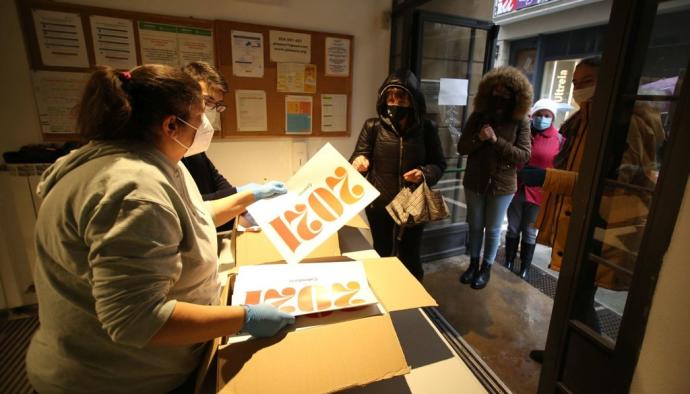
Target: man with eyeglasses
{"type": "Point", "coordinates": [212, 185]}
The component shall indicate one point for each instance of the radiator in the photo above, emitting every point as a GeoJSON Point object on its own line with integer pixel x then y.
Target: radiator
{"type": "Point", "coordinates": [18, 210]}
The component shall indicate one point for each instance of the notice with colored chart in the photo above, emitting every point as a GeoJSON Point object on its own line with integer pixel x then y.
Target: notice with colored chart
{"type": "Point", "coordinates": [304, 288]}
{"type": "Point", "coordinates": [298, 114]}
{"type": "Point", "coordinates": [322, 197]}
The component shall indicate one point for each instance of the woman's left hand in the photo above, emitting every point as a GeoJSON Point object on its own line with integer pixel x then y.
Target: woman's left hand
{"type": "Point", "coordinates": [414, 176]}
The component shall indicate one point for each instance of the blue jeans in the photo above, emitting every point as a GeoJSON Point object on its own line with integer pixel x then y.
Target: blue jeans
{"type": "Point", "coordinates": [485, 215]}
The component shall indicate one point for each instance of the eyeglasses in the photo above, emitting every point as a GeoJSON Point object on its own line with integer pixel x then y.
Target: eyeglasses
{"type": "Point", "coordinates": [211, 104]}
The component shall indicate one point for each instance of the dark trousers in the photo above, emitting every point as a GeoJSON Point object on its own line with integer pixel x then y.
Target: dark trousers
{"type": "Point", "coordinates": [385, 234]}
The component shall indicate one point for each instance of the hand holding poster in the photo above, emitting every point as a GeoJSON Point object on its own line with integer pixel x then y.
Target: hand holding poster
{"type": "Point", "coordinates": [322, 197]}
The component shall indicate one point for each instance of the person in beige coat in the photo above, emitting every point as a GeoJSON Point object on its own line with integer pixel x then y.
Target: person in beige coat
{"type": "Point", "coordinates": [618, 208]}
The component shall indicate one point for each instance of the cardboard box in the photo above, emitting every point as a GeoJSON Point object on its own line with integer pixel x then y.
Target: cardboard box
{"type": "Point", "coordinates": [326, 358]}
{"type": "Point", "coordinates": [329, 357]}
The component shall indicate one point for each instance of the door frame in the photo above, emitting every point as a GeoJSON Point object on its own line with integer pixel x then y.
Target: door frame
{"type": "Point", "coordinates": [630, 24]}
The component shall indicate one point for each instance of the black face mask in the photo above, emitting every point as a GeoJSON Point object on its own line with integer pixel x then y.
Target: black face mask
{"type": "Point", "coordinates": [397, 113]}
{"type": "Point", "coordinates": [501, 106]}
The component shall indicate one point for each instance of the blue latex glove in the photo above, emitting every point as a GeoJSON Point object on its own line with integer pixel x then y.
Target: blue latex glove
{"type": "Point", "coordinates": [264, 320]}
{"type": "Point", "coordinates": [266, 190]}
{"type": "Point", "coordinates": [532, 176]}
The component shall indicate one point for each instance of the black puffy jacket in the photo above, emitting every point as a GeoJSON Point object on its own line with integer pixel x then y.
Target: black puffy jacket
{"type": "Point", "coordinates": [391, 152]}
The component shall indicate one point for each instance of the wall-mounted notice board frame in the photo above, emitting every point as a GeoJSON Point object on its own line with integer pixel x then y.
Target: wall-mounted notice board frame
{"type": "Point", "coordinates": [336, 84]}
{"type": "Point", "coordinates": [337, 88]}
{"type": "Point", "coordinates": [57, 65]}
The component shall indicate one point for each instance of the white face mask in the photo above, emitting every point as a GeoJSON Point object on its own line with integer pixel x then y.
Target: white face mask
{"type": "Point", "coordinates": [213, 117]}
{"type": "Point", "coordinates": [202, 138]}
{"type": "Point", "coordinates": [582, 95]}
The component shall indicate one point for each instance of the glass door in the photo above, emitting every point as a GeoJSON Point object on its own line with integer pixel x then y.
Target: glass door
{"type": "Point", "coordinates": [446, 46]}
{"type": "Point", "coordinates": [630, 185]}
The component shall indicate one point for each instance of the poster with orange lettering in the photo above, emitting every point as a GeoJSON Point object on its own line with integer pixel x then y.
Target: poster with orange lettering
{"type": "Point", "coordinates": [301, 289]}
{"type": "Point", "coordinates": [322, 197]}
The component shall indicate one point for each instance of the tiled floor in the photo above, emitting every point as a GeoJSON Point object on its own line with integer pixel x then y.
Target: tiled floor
{"type": "Point", "coordinates": [502, 322]}
{"type": "Point", "coordinates": [510, 317]}
{"type": "Point", "coordinates": [15, 334]}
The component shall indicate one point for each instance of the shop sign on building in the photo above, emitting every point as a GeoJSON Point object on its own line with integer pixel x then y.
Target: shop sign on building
{"type": "Point", "coordinates": [504, 7]}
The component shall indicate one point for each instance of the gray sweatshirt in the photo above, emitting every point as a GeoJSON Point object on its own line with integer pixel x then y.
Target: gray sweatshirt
{"type": "Point", "coordinates": [121, 236]}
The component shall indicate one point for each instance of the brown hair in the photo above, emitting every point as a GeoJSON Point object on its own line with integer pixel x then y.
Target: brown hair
{"type": "Point", "coordinates": [512, 79]}
{"type": "Point", "coordinates": [128, 105]}
{"type": "Point", "coordinates": [202, 71]}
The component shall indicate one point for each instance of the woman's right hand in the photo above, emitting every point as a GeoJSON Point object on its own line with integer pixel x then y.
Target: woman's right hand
{"type": "Point", "coordinates": [487, 133]}
{"type": "Point", "coordinates": [263, 320]}
{"type": "Point", "coordinates": [361, 164]}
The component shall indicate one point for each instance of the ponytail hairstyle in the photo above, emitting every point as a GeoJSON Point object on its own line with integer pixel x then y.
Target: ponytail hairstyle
{"type": "Point", "coordinates": [129, 105]}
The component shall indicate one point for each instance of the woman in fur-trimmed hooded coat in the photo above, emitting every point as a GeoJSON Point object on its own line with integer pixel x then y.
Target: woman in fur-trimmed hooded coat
{"type": "Point", "coordinates": [496, 138]}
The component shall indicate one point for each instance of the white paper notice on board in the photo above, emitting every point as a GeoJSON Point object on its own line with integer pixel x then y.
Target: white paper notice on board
{"type": "Point", "coordinates": [304, 288]}
{"type": "Point", "coordinates": [452, 92]}
{"type": "Point", "coordinates": [322, 197]}
{"type": "Point", "coordinates": [251, 110]}
{"type": "Point", "coordinates": [194, 44]}
{"type": "Point", "coordinates": [113, 42]}
{"type": "Point", "coordinates": [337, 57]}
{"type": "Point", "coordinates": [57, 93]}
{"type": "Point", "coordinates": [60, 38]}
{"type": "Point", "coordinates": [247, 54]}
{"type": "Point", "coordinates": [158, 44]}
{"type": "Point", "coordinates": [288, 47]}
{"type": "Point", "coordinates": [333, 112]}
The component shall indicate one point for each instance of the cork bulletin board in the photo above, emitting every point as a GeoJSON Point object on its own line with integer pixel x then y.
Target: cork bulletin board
{"type": "Point", "coordinates": [290, 107]}
{"type": "Point", "coordinates": [268, 83]}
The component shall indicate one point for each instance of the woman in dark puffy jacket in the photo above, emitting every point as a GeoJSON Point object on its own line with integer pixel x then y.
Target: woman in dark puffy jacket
{"type": "Point", "coordinates": [496, 138]}
{"type": "Point", "coordinates": [399, 147]}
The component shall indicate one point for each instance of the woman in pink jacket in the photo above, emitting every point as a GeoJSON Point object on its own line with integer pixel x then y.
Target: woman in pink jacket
{"type": "Point", "coordinates": [523, 210]}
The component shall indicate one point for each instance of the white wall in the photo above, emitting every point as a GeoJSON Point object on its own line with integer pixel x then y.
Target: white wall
{"type": "Point", "coordinates": [240, 161]}
{"type": "Point", "coordinates": [665, 355]}
{"type": "Point", "coordinates": [18, 114]}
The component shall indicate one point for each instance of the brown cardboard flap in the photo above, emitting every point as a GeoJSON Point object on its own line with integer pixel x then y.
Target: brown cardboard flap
{"type": "Point", "coordinates": [316, 360]}
{"type": "Point", "coordinates": [256, 248]}
{"type": "Point", "coordinates": [394, 286]}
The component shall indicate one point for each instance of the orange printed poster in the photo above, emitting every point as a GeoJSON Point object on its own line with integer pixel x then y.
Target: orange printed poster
{"type": "Point", "coordinates": [322, 197]}
{"type": "Point", "coordinates": [303, 289]}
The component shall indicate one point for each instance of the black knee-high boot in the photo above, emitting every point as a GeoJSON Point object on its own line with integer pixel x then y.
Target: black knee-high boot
{"type": "Point", "coordinates": [471, 272]}
{"type": "Point", "coordinates": [526, 255]}
{"type": "Point", "coordinates": [511, 251]}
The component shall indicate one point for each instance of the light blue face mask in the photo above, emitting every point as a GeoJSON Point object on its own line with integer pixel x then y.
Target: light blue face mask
{"type": "Point", "coordinates": [541, 122]}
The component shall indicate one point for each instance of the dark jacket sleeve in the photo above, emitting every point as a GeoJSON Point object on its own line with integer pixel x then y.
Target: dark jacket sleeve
{"type": "Point", "coordinates": [469, 138]}
{"type": "Point", "coordinates": [435, 160]}
{"type": "Point", "coordinates": [519, 152]}
{"type": "Point", "coordinates": [365, 142]}
{"type": "Point", "coordinates": [222, 187]}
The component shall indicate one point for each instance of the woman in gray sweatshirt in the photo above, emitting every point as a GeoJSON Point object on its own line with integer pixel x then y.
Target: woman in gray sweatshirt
{"type": "Point", "coordinates": [126, 274]}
